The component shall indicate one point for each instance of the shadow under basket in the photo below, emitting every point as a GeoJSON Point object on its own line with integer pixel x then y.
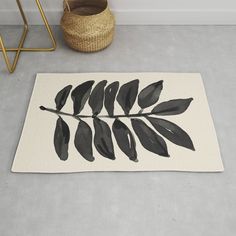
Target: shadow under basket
{"type": "Point", "coordinates": [88, 25]}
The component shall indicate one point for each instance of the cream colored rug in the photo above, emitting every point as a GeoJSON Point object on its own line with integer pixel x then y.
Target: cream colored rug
{"type": "Point", "coordinates": [118, 122]}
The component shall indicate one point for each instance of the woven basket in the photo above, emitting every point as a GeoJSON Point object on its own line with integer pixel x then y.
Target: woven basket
{"type": "Point", "coordinates": [88, 25]}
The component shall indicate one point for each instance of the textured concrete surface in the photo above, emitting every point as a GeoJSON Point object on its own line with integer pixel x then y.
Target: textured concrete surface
{"type": "Point", "coordinates": [159, 203]}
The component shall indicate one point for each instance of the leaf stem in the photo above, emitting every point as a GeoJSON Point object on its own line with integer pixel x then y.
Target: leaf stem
{"type": "Point", "coordinates": [102, 116]}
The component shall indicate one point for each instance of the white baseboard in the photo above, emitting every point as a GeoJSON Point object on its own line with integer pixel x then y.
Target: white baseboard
{"type": "Point", "coordinates": [136, 17]}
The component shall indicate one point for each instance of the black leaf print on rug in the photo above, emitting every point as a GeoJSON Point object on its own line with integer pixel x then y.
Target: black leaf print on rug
{"type": "Point", "coordinates": [62, 96]}
{"type": "Point", "coordinates": [172, 107]}
{"type": "Point", "coordinates": [150, 95]}
{"type": "Point", "coordinates": [80, 96]}
{"type": "Point", "coordinates": [149, 138]}
{"type": "Point", "coordinates": [83, 141]}
{"type": "Point", "coordinates": [125, 139]}
{"type": "Point", "coordinates": [102, 137]}
{"type": "Point", "coordinates": [172, 132]}
{"type": "Point", "coordinates": [61, 139]}
{"type": "Point", "coordinates": [127, 95]}
{"type": "Point", "coordinates": [97, 97]}
{"type": "Point", "coordinates": [110, 96]}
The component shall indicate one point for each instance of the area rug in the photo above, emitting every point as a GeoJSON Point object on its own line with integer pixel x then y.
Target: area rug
{"type": "Point", "coordinates": [118, 122]}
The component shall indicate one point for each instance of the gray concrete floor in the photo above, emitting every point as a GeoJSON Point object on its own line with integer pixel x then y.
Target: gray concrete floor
{"type": "Point", "coordinates": [116, 204]}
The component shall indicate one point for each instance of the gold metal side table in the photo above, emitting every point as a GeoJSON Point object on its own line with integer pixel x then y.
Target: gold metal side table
{"type": "Point", "coordinates": [11, 67]}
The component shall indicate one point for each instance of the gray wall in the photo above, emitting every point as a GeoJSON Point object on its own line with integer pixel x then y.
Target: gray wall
{"type": "Point", "coordinates": [138, 11]}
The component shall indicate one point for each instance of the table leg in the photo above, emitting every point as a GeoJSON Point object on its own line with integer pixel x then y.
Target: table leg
{"type": "Point", "coordinates": [11, 68]}
{"type": "Point", "coordinates": [20, 47]}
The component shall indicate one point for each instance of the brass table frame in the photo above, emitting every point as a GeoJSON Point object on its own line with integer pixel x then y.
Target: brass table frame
{"type": "Point", "coordinates": [11, 67]}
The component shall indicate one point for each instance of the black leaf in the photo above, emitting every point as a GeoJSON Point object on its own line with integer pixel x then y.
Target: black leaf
{"type": "Point", "coordinates": [125, 139]}
{"type": "Point", "coordinates": [61, 139]}
{"type": "Point", "coordinates": [62, 96]}
{"type": "Point", "coordinates": [97, 97]}
{"type": "Point", "coordinates": [150, 95]}
{"type": "Point", "coordinates": [83, 141]}
{"type": "Point", "coordinates": [127, 95]}
{"type": "Point", "coordinates": [149, 138]}
{"type": "Point", "coordinates": [102, 139]}
{"type": "Point", "coordinates": [172, 107]}
{"type": "Point", "coordinates": [80, 96]}
{"type": "Point", "coordinates": [172, 132]}
{"type": "Point", "coordinates": [110, 96]}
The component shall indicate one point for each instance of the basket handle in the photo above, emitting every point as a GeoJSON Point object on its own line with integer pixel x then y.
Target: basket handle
{"type": "Point", "coordinates": [67, 6]}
